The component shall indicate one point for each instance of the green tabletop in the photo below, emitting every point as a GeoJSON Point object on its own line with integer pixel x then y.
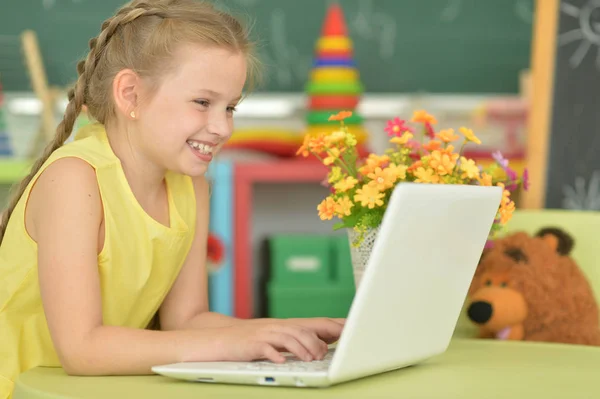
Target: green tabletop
{"type": "Point", "coordinates": [469, 369]}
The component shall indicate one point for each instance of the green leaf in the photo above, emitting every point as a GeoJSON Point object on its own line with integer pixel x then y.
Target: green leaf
{"type": "Point", "coordinates": [338, 226]}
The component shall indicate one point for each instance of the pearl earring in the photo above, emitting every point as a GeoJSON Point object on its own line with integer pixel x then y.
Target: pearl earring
{"type": "Point", "coordinates": [132, 114]}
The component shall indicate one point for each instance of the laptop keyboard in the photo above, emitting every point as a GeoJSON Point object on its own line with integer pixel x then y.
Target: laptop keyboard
{"type": "Point", "coordinates": [292, 363]}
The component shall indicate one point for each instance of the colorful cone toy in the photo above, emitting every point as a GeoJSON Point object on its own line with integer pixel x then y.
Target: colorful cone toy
{"type": "Point", "coordinates": [334, 83]}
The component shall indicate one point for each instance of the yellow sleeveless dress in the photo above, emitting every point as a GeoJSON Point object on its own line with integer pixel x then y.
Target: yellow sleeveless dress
{"type": "Point", "coordinates": [138, 264]}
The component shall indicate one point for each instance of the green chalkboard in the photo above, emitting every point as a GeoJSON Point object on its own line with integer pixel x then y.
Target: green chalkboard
{"type": "Point", "coordinates": [440, 46]}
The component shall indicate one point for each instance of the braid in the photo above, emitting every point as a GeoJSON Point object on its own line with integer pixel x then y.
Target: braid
{"type": "Point", "coordinates": [77, 95]}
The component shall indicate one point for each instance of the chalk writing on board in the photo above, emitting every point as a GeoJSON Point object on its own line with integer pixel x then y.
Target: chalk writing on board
{"type": "Point", "coordinates": [587, 34]}
{"type": "Point", "coordinates": [578, 197]}
{"type": "Point", "coordinates": [288, 64]}
{"type": "Point", "coordinates": [370, 24]}
{"type": "Point", "coordinates": [451, 11]}
{"type": "Point", "coordinates": [524, 10]}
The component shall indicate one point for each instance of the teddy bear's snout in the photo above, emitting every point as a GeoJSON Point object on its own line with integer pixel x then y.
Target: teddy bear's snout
{"type": "Point", "coordinates": [480, 312]}
{"type": "Point", "coordinates": [496, 307]}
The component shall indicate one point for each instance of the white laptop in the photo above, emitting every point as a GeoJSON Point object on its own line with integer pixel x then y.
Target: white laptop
{"type": "Point", "coordinates": [406, 308]}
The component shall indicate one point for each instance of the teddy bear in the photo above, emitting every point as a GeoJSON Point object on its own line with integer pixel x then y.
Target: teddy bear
{"type": "Point", "coordinates": [528, 287]}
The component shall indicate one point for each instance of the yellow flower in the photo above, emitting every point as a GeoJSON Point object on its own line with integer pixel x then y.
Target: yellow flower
{"type": "Point", "coordinates": [426, 175]}
{"type": "Point", "coordinates": [343, 207]}
{"type": "Point", "coordinates": [335, 175]}
{"type": "Point", "coordinates": [335, 137]}
{"type": "Point", "coordinates": [423, 117]}
{"type": "Point", "coordinates": [443, 162]}
{"type": "Point", "coordinates": [469, 135]}
{"type": "Point", "coordinates": [326, 208]}
{"type": "Point", "coordinates": [499, 174]}
{"type": "Point", "coordinates": [345, 184]}
{"type": "Point", "coordinates": [406, 136]}
{"type": "Point", "coordinates": [381, 179]}
{"type": "Point", "coordinates": [369, 196]}
{"type": "Point", "coordinates": [333, 155]}
{"type": "Point", "coordinates": [447, 135]}
{"type": "Point", "coordinates": [485, 179]}
{"type": "Point", "coordinates": [469, 168]}
{"type": "Point", "coordinates": [350, 140]}
{"type": "Point", "coordinates": [399, 171]}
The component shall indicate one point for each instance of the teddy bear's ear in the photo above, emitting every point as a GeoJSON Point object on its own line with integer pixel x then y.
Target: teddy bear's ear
{"type": "Point", "coordinates": [560, 241]}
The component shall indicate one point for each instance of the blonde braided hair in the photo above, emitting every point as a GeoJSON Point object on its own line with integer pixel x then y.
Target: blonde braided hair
{"type": "Point", "coordinates": [141, 36]}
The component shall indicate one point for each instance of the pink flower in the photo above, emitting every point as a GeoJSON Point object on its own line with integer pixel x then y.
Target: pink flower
{"type": "Point", "coordinates": [429, 130]}
{"type": "Point", "coordinates": [396, 127]}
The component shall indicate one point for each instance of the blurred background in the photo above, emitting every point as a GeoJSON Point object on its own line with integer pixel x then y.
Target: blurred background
{"type": "Point", "coordinates": [524, 77]}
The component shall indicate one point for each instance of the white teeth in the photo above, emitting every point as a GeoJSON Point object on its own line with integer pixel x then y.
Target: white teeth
{"type": "Point", "coordinates": [203, 148]}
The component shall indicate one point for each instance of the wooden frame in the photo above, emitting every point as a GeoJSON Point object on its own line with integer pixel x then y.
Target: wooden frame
{"type": "Point", "coordinates": [39, 84]}
{"type": "Point", "coordinates": [538, 132]}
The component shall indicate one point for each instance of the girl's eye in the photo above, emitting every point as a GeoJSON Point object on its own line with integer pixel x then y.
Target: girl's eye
{"type": "Point", "coordinates": [231, 110]}
{"type": "Point", "coordinates": [204, 103]}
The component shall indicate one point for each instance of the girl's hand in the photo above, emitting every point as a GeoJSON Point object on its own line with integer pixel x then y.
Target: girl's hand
{"type": "Point", "coordinates": [328, 330]}
{"type": "Point", "coordinates": [265, 340]}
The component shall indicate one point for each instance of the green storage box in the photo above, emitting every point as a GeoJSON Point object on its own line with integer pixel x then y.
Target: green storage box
{"type": "Point", "coordinates": [342, 261]}
{"type": "Point", "coordinates": [333, 300]}
{"type": "Point", "coordinates": [300, 260]}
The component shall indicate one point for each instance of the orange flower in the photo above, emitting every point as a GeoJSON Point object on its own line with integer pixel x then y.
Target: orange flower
{"type": "Point", "coordinates": [372, 162]}
{"type": "Point", "coordinates": [432, 145]}
{"type": "Point", "coordinates": [421, 116]}
{"type": "Point", "coordinates": [382, 179]}
{"type": "Point", "coordinates": [369, 196]}
{"type": "Point", "coordinates": [426, 175]}
{"type": "Point", "coordinates": [442, 162]}
{"type": "Point", "coordinates": [326, 208]}
{"type": "Point", "coordinates": [340, 116]}
{"type": "Point", "coordinates": [304, 147]}
{"type": "Point", "coordinates": [414, 166]}
{"type": "Point", "coordinates": [447, 135]}
{"type": "Point", "coordinates": [485, 179]}
{"type": "Point", "coordinates": [343, 207]}
{"type": "Point", "coordinates": [318, 144]}
{"type": "Point", "coordinates": [505, 192]}
{"type": "Point", "coordinates": [506, 212]}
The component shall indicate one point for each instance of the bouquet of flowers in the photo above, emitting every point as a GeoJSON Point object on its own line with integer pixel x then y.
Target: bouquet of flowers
{"type": "Point", "coordinates": [361, 188]}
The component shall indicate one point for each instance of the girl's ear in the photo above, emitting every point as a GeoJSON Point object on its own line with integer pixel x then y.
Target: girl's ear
{"type": "Point", "coordinates": [126, 93]}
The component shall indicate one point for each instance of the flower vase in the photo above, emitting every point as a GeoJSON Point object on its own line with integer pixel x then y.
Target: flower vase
{"type": "Point", "coordinates": [361, 245]}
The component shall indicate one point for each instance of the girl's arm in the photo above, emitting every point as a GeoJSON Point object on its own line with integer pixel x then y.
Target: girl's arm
{"type": "Point", "coordinates": [186, 305]}
{"type": "Point", "coordinates": [65, 213]}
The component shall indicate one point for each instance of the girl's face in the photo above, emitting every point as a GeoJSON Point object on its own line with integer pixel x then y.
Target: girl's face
{"type": "Point", "coordinates": [190, 116]}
